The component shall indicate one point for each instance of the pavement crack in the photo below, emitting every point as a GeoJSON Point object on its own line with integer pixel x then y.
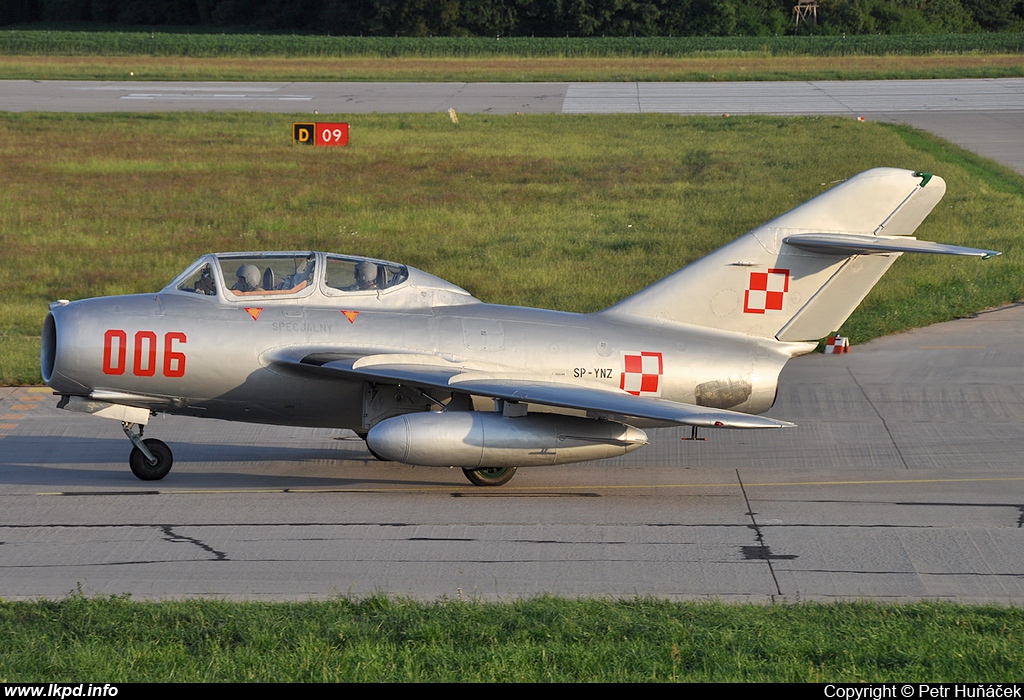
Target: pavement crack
{"type": "Point", "coordinates": [824, 93]}
{"type": "Point", "coordinates": [171, 536]}
{"type": "Point", "coordinates": [761, 551]}
{"type": "Point", "coordinates": [880, 417]}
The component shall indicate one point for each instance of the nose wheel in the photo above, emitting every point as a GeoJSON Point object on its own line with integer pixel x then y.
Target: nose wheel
{"type": "Point", "coordinates": [150, 459]}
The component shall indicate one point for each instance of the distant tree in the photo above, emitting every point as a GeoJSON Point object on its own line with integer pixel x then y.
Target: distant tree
{"type": "Point", "coordinates": [763, 18]}
{"type": "Point", "coordinates": [19, 11]}
{"type": "Point", "coordinates": [845, 17]}
{"type": "Point", "coordinates": [948, 16]}
{"type": "Point", "coordinates": [531, 17]}
{"type": "Point", "coordinates": [65, 10]}
{"type": "Point", "coordinates": [348, 18]}
{"type": "Point", "coordinates": [157, 12]}
{"type": "Point", "coordinates": [995, 15]}
{"type": "Point", "coordinates": [490, 17]}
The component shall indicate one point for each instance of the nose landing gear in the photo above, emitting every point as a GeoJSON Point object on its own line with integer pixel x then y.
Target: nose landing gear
{"type": "Point", "coordinates": [150, 459]}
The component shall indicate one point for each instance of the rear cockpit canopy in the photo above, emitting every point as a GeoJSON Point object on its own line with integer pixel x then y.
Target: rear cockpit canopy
{"type": "Point", "coordinates": [295, 275]}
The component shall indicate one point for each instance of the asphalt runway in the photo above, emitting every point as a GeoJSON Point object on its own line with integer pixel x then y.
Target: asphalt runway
{"type": "Point", "coordinates": [902, 481]}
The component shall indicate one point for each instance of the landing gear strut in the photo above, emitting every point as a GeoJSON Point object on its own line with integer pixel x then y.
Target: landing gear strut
{"type": "Point", "coordinates": [490, 476]}
{"type": "Point", "coordinates": [150, 459]}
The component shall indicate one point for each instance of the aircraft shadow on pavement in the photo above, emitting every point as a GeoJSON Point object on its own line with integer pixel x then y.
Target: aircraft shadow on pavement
{"type": "Point", "coordinates": [78, 461]}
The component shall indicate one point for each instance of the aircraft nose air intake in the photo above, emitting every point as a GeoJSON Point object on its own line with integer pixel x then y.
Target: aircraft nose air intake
{"type": "Point", "coordinates": [48, 349]}
{"type": "Point", "coordinates": [60, 352]}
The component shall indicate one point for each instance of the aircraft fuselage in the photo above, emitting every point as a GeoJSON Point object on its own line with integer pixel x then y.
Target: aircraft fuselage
{"type": "Point", "coordinates": [214, 360]}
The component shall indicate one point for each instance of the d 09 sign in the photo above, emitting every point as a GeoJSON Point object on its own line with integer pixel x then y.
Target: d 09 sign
{"type": "Point", "coordinates": [146, 355]}
{"type": "Point", "coordinates": [320, 133]}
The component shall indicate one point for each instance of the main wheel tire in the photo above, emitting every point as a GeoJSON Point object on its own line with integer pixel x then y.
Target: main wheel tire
{"type": "Point", "coordinates": [151, 472]}
{"type": "Point", "coordinates": [490, 476]}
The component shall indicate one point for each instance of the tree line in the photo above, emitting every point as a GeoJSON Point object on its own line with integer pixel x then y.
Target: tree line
{"type": "Point", "coordinates": [543, 18]}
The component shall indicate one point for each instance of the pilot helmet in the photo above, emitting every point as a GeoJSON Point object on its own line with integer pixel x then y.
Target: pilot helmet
{"type": "Point", "coordinates": [366, 274]}
{"type": "Point", "coordinates": [248, 278]}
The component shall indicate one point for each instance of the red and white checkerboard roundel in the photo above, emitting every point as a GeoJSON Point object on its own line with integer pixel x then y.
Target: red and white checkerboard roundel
{"type": "Point", "coordinates": [641, 373]}
{"type": "Point", "coordinates": [766, 291]}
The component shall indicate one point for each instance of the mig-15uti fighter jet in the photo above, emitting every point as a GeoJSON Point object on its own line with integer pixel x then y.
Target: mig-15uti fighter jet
{"type": "Point", "coordinates": [429, 375]}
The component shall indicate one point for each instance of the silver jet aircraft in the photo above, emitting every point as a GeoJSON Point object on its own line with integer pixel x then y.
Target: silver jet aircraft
{"type": "Point", "coordinates": [429, 375]}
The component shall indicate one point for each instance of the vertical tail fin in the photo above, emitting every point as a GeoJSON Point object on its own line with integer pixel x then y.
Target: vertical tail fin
{"type": "Point", "coordinates": [801, 275]}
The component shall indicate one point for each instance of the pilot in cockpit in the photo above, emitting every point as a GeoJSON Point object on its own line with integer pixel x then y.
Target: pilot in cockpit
{"type": "Point", "coordinates": [248, 279]}
{"type": "Point", "coordinates": [366, 275]}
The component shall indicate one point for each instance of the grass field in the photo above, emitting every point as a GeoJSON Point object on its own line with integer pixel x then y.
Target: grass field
{"type": "Point", "coordinates": [513, 68]}
{"type": "Point", "coordinates": [501, 205]}
{"type": "Point", "coordinates": [98, 55]}
{"type": "Point", "coordinates": [90, 40]}
{"type": "Point", "coordinates": [541, 640]}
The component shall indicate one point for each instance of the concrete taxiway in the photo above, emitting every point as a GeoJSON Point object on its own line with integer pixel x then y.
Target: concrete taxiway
{"type": "Point", "coordinates": [903, 481]}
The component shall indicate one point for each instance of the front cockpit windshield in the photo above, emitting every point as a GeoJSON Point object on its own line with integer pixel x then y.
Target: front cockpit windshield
{"type": "Point", "coordinates": [200, 282]}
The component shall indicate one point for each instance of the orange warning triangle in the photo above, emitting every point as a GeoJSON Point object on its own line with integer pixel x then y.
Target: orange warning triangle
{"type": "Point", "coordinates": [350, 315]}
{"type": "Point", "coordinates": [254, 312]}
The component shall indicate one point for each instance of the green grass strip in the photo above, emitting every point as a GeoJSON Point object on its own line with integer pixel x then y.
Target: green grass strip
{"type": "Point", "coordinates": [379, 639]}
{"type": "Point", "coordinates": [212, 44]}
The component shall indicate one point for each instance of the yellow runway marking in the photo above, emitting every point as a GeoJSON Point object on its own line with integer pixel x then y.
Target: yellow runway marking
{"type": "Point", "coordinates": [528, 490]}
{"type": "Point", "coordinates": [28, 401]}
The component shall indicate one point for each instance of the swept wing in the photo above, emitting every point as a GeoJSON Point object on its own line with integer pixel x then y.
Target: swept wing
{"type": "Point", "coordinates": [435, 372]}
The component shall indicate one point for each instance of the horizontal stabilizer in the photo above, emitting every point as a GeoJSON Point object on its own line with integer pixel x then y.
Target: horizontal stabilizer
{"type": "Point", "coordinates": [852, 244]}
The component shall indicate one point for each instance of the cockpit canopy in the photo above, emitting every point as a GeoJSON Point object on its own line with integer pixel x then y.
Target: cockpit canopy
{"type": "Point", "coordinates": [284, 275]}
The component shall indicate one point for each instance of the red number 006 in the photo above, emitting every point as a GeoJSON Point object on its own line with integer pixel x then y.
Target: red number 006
{"type": "Point", "coordinates": [144, 355]}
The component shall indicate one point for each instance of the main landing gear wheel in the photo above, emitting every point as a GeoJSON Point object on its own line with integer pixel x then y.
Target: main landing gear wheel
{"type": "Point", "coordinates": [490, 476]}
{"type": "Point", "coordinates": [141, 466]}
